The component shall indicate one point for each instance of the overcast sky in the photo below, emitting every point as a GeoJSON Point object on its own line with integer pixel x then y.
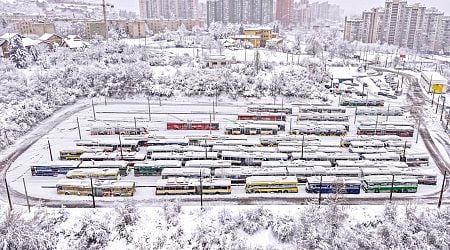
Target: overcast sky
{"type": "Point", "coordinates": [350, 6]}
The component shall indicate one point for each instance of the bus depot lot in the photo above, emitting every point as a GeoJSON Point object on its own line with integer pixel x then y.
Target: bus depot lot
{"type": "Point", "coordinates": [66, 133]}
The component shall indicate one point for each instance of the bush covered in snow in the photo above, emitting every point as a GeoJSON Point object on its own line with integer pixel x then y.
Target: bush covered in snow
{"type": "Point", "coordinates": [311, 227]}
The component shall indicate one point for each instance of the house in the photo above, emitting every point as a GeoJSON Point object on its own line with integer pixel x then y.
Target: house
{"type": "Point", "coordinates": [435, 82]}
{"type": "Point", "coordinates": [51, 39]}
{"type": "Point", "coordinates": [29, 43]}
{"type": "Point", "coordinates": [254, 40]}
{"type": "Point", "coordinates": [215, 61]}
{"type": "Point", "coordinates": [264, 34]}
{"type": "Point", "coordinates": [5, 41]}
{"type": "Point", "coordinates": [3, 47]}
{"type": "Point", "coordinates": [74, 42]}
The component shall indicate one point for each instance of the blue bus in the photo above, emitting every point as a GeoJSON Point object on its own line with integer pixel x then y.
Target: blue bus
{"type": "Point", "coordinates": [53, 168]}
{"type": "Point", "coordinates": [333, 184]}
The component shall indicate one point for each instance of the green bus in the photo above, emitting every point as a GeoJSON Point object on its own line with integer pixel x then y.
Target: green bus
{"type": "Point", "coordinates": [152, 168]}
{"type": "Point", "coordinates": [384, 184]}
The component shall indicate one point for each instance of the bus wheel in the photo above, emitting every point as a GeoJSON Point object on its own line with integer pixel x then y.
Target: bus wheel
{"type": "Point", "coordinates": [285, 191]}
{"type": "Point", "coordinates": [66, 193]}
{"type": "Point", "coordinates": [377, 190]}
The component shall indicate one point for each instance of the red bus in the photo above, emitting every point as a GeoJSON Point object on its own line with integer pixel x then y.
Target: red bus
{"type": "Point", "coordinates": [192, 126]}
{"type": "Point", "coordinates": [262, 117]}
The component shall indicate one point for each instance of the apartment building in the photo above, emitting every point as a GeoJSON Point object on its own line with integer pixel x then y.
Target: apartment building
{"type": "Point", "coordinates": [240, 11]}
{"type": "Point", "coordinates": [29, 27]}
{"type": "Point", "coordinates": [168, 9]}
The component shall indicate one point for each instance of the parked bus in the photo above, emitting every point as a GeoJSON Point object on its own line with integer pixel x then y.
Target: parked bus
{"type": "Point", "coordinates": [123, 166]}
{"type": "Point", "coordinates": [192, 125]}
{"type": "Point", "coordinates": [269, 109]}
{"type": "Point", "coordinates": [333, 184]}
{"type": "Point", "coordinates": [271, 184]}
{"type": "Point", "coordinates": [98, 173]}
{"type": "Point", "coordinates": [322, 109]}
{"type": "Point", "coordinates": [53, 168]}
{"type": "Point", "coordinates": [184, 186]}
{"type": "Point", "coordinates": [262, 117]}
{"type": "Point", "coordinates": [151, 168]}
{"type": "Point", "coordinates": [251, 129]}
{"type": "Point", "coordinates": [185, 172]}
{"type": "Point", "coordinates": [100, 188]}
{"type": "Point", "coordinates": [384, 184]}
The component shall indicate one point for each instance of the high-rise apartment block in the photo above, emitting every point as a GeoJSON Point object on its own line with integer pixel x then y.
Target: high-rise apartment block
{"type": "Point", "coordinates": [309, 14]}
{"type": "Point", "coordinates": [285, 11]}
{"type": "Point", "coordinates": [168, 9]}
{"type": "Point", "coordinates": [411, 26]}
{"type": "Point", "coordinates": [240, 11]}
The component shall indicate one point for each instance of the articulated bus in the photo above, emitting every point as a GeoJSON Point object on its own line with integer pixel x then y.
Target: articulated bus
{"type": "Point", "coordinates": [101, 188]}
{"type": "Point", "coordinates": [271, 184]}
{"type": "Point", "coordinates": [383, 184]}
{"type": "Point", "coordinates": [333, 184]}
{"type": "Point", "coordinates": [184, 186]}
{"type": "Point", "coordinates": [53, 168]}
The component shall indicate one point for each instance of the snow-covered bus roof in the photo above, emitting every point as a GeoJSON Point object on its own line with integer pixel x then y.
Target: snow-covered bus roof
{"type": "Point", "coordinates": [387, 155]}
{"type": "Point", "coordinates": [248, 171]}
{"type": "Point", "coordinates": [93, 171]}
{"type": "Point", "coordinates": [370, 164]}
{"type": "Point", "coordinates": [85, 183]}
{"type": "Point", "coordinates": [103, 164]}
{"type": "Point", "coordinates": [253, 155]}
{"type": "Point", "coordinates": [388, 178]}
{"type": "Point", "coordinates": [362, 144]}
{"type": "Point", "coordinates": [278, 179]}
{"type": "Point", "coordinates": [58, 164]}
{"type": "Point", "coordinates": [174, 148]}
{"type": "Point", "coordinates": [161, 163]}
{"type": "Point", "coordinates": [185, 172]}
{"type": "Point", "coordinates": [207, 163]}
{"type": "Point", "coordinates": [220, 148]}
{"type": "Point", "coordinates": [333, 179]}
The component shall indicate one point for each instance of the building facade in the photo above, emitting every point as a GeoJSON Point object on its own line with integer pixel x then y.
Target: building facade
{"type": "Point", "coordinates": [240, 11]}
{"type": "Point", "coordinates": [410, 26]}
{"type": "Point", "coordinates": [158, 26]}
{"type": "Point", "coordinates": [168, 9]}
{"type": "Point", "coordinates": [284, 11]}
{"type": "Point", "coordinates": [28, 27]}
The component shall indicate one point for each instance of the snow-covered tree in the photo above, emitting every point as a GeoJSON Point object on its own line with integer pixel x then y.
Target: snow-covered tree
{"type": "Point", "coordinates": [18, 53]}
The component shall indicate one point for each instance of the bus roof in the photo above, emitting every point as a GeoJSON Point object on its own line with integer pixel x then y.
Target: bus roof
{"type": "Point", "coordinates": [282, 179]}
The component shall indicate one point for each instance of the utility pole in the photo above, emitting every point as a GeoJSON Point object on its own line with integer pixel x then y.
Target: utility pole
{"type": "Point", "coordinates": [214, 112]}
{"type": "Point", "coordinates": [437, 104]}
{"type": "Point", "coordinates": [320, 190]}
{"type": "Point", "coordinates": [50, 150]}
{"type": "Point", "coordinates": [201, 190]}
{"type": "Point", "coordinates": [92, 192]}
{"type": "Point", "coordinates": [149, 111]}
{"type": "Point", "coordinates": [26, 194]}
{"type": "Point", "coordinates": [120, 145]}
{"type": "Point", "coordinates": [376, 125]}
{"type": "Point", "coordinates": [356, 114]}
{"type": "Point", "coordinates": [290, 126]}
{"type": "Point", "coordinates": [79, 131]}
{"type": "Point", "coordinates": [93, 109]}
{"type": "Point", "coordinates": [392, 188]}
{"type": "Point", "coordinates": [418, 130]}
{"type": "Point", "coordinates": [303, 145]}
{"type": "Point", "coordinates": [442, 190]}
{"type": "Point", "coordinates": [210, 123]}
{"type": "Point", "coordinates": [443, 107]}
{"type": "Point", "coordinates": [387, 114]}
{"type": "Point", "coordinates": [104, 19]}
{"type": "Point", "coordinates": [9, 196]}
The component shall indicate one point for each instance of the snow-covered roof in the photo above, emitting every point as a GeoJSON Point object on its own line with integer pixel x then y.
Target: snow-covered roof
{"type": "Point", "coordinates": [2, 41]}
{"type": "Point", "coordinates": [9, 36]}
{"type": "Point", "coordinates": [47, 36]}
{"type": "Point", "coordinates": [434, 76]}
{"type": "Point", "coordinates": [160, 163]}
{"type": "Point", "coordinates": [246, 37]}
{"type": "Point", "coordinates": [283, 179]}
{"type": "Point", "coordinates": [333, 179]}
{"type": "Point", "coordinates": [28, 42]}
{"type": "Point", "coordinates": [185, 172]}
{"type": "Point", "coordinates": [75, 44]}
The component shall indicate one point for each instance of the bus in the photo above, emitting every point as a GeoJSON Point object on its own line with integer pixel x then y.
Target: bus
{"type": "Point", "coordinates": [185, 172]}
{"type": "Point", "coordinates": [269, 109]}
{"type": "Point", "coordinates": [151, 168]}
{"type": "Point", "coordinates": [333, 184]}
{"type": "Point", "coordinates": [386, 183]}
{"type": "Point", "coordinates": [271, 184]}
{"type": "Point", "coordinates": [184, 186]}
{"type": "Point", "coordinates": [74, 154]}
{"type": "Point", "coordinates": [262, 117]}
{"type": "Point", "coordinates": [99, 173]}
{"type": "Point", "coordinates": [121, 165]}
{"type": "Point", "coordinates": [53, 168]}
{"type": "Point", "coordinates": [100, 188]}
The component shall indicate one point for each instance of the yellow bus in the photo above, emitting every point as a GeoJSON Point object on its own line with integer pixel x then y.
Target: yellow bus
{"type": "Point", "coordinates": [185, 186]}
{"type": "Point", "coordinates": [100, 188]}
{"type": "Point", "coordinates": [98, 173]}
{"type": "Point", "coordinates": [271, 184]}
